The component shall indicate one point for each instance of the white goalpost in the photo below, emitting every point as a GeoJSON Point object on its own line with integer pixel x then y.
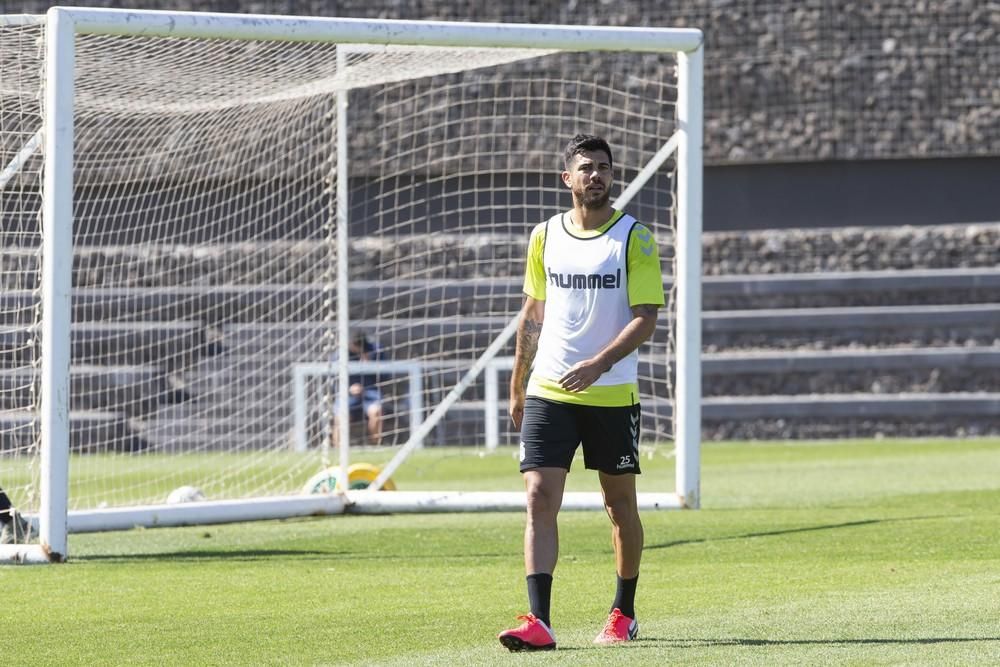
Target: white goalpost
{"type": "Point", "coordinates": [201, 210]}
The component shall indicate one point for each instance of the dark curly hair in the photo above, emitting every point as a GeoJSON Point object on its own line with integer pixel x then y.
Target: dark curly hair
{"type": "Point", "coordinates": [586, 142]}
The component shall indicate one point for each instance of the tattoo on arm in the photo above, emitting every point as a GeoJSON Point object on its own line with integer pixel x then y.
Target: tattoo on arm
{"type": "Point", "coordinates": [527, 346]}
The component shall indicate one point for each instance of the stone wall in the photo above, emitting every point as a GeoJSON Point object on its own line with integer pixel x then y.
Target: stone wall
{"type": "Point", "coordinates": [786, 80]}
{"type": "Point", "coordinates": [463, 257]}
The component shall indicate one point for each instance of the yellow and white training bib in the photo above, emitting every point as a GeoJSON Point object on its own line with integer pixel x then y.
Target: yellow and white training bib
{"type": "Point", "coordinates": [589, 282]}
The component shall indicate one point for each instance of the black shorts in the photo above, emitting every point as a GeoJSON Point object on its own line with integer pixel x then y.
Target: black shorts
{"type": "Point", "coordinates": [551, 432]}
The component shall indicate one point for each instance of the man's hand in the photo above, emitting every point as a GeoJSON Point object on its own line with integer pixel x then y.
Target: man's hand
{"type": "Point", "coordinates": [582, 375]}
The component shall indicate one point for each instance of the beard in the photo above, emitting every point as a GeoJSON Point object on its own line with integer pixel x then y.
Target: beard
{"type": "Point", "coordinates": [594, 200]}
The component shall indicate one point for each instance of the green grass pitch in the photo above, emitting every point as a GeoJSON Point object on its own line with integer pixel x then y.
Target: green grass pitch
{"type": "Point", "coordinates": [839, 553]}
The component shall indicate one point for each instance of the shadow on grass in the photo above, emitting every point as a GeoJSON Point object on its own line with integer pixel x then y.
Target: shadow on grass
{"type": "Point", "coordinates": [215, 554]}
{"type": "Point", "coordinates": [640, 643]}
{"type": "Point", "coordinates": [250, 555]}
{"type": "Point", "coordinates": [785, 531]}
{"type": "Point", "coordinates": [316, 554]}
{"type": "Point", "coordinates": [738, 641]}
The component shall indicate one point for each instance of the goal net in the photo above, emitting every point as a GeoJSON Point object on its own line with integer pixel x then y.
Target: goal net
{"type": "Point", "coordinates": [200, 212]}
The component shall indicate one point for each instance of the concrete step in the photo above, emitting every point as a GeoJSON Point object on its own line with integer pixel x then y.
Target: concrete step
{"type": "Point", "coordinates": [167, 344]}
{"type": "Point", "coordinates": [370, 299]}
{"type": "Point", "coordinates": [89, 432]}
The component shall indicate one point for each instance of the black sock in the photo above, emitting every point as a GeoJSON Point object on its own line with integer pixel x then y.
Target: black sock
{"type": "Point", "coordinates": [540, 595]}
{"type": "Point", "coordinates": [625, 596]}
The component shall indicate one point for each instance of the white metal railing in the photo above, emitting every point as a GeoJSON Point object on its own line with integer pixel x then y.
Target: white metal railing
{"type": "Point", "coordinates": [414, 370]}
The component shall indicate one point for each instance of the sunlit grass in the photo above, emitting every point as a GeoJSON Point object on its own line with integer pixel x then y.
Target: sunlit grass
{"type": "Point", "coordinates": [841, 553]}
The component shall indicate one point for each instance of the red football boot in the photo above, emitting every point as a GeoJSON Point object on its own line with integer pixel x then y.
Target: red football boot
{"type": "Point", "coordinates": [532, 635]}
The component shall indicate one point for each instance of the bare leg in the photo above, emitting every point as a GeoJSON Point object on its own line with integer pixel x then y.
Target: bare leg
{"type": "Point", "coordinates": [334, 433]}
{"type": "Point", "coordinates": [544, 488]}
{"type": "Point", "coordinates": [375, 423]}
{"type": "Point", "coordinates": [626, 528]}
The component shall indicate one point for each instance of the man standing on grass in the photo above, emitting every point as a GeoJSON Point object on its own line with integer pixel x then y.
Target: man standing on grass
{"type": "Point", "coordinates": [593, 276]}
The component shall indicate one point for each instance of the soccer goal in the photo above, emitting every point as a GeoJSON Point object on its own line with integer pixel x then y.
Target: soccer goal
{"type": "Point", "coordinates": [200, 212]}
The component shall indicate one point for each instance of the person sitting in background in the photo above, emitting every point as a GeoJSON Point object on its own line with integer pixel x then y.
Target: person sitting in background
{"type": "Point", "coordinates": [14, 528]}
{"type": "Point", "coordinates": [364, 399]}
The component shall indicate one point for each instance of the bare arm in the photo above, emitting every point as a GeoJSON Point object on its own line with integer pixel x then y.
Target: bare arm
{"type": "Point", "coordinates": [529, 328]}
{"type": "Point", "coordinates": [636, 332]}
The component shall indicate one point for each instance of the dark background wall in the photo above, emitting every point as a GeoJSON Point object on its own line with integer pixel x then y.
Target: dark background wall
{"type": "Point", "coordinates": [817, 112]}
{"type": "Point", "coordinates": [841, 193]}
